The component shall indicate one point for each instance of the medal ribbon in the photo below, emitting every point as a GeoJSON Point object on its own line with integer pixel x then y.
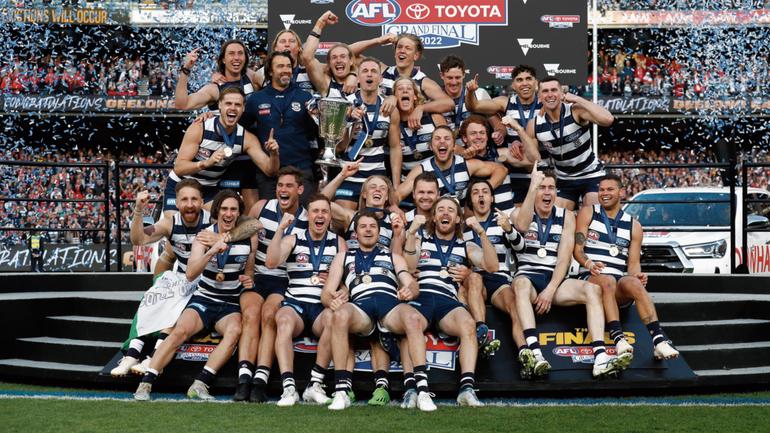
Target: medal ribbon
{"type": "Point", "coordinates": [221, 257]}
{"type": "Point", "coordinates": [448, 184]}
{"type": "Point", "coordinates": [229, 139]}
{"type": "Point", "coordinates": [458, 118]}
{"type": "Point", "coordinates": [364, 262]}
{"type": "Point", "coordinates": [485, 225]}
{"type": "Point", "coordinates": [523, 121]}
{"type": "Point", "coordinates": [561, 127]}
{"type": "Point", "coordinates": [315, 259]}
{"type": "Point", "coordinates": [444, 256]}
{"type": "Point", "coordinates": [542, 236]}
{"type": "Point", "coordinates": [612, 227]}
{"type": "Point", "coordinates": [279, 213]}
{"type": "Point", "coordinates": [369, 127]}
{"type": "Point", "coordinates": [410, 141]}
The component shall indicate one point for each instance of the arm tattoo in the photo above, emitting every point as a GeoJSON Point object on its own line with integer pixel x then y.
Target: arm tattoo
{"type": "Point", "coordinates": [580, 238]}
{"type": "Point", "coordinates": [246, 227]}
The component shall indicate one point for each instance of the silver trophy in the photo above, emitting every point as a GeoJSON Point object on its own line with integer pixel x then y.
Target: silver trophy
{"type": "Point", "coordinates": [332, 113]}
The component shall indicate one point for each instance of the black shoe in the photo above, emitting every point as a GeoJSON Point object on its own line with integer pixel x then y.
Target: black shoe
{"type": "Point", "coordinates": [257, 394]}
{"type": "Point", "coordinates": [242, 391]}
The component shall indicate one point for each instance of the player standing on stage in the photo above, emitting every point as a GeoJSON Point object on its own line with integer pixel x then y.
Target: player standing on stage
{"type": "Point", "coordinates": [522, 106]}
{"type": "Point", "coordinates": [209, 147]}
{"type": "Point", "coordinates": [608, 244]}
{"type": "Point", "coordinates": [564, 130]}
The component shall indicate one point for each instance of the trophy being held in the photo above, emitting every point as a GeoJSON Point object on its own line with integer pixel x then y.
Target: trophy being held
{"type": "Point", "coordinates": [332, 114]}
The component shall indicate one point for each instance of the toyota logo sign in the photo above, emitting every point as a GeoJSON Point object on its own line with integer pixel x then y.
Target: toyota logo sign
{"type": "Point", "coordinates": [417, 11]}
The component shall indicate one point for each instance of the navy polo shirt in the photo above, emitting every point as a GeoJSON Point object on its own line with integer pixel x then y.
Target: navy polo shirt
{"type": "Point", "coordinates": [265, 109]}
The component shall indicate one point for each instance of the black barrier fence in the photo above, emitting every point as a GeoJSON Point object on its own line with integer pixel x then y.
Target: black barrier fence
{"type": "Point", "coordinates": [113, 201]}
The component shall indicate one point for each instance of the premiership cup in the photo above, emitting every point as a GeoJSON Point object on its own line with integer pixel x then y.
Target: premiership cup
{"type": "Point", "coordinates": [332, 114]}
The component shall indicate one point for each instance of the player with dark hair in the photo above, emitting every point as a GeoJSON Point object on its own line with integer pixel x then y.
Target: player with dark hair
{"type": "Point", "coordinates": [608, 246]}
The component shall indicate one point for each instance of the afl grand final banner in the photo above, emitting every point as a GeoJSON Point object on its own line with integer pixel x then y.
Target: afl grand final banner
{"type": "Point", "coordinates": [491, 36]}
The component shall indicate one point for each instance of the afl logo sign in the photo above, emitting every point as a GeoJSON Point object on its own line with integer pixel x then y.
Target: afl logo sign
{"type": "Point", "coordinates": [373, 12]}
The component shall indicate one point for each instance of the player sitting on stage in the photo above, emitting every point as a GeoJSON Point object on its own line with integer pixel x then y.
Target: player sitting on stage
{"type": "Point", "coordinates": [441, 249]}
{"type": "Point", "coordinates": [180, 230]}
{"type": "Point", "coordinates": [608, 244]}
{"type": "Point", "coordinates": [363, 291]}
{"type": "Point", "coordinates": [224, 271]}
{"type": "Point", "coordinates": [543, 265]}
{"type": "Point", "coordinates": [307, 256]}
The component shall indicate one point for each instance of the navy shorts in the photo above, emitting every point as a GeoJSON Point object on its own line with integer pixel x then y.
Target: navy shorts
{"type": "Point", "coordinates": [266, 285]}
{"type": "Point", "coordinates": [211, 311]}
{"type": "Point", "coordinates": [240, 174]}
{"type": "Point", "coordinates": [307, 312]}
{"type": "Point", "coordinates": [349, 191]}
{"type": "Point", "coordinates": [586, 275]}
{"type": "Point", "coordinates": [539, 280]}
{"type": "Point", "coordinates": [376, 306]}
{"type": "Point", "coordinates": [493, 282]}
{"type": "Point", "coordinates": [169, 194]}
{"type": "Point", "coordinates": [435, 307]}
{"type": "Point", "coordinates": [573, 190]}
{"type": "Point", "coordinates": [519, 187]}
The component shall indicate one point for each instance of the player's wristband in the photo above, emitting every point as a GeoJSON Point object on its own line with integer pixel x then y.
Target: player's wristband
{"type": "Point", "coordinates": [185, 71]}
{"type": "Point", "coordinates": [411, 253]}
{"type": "Point", "coordinates": [315, 35]}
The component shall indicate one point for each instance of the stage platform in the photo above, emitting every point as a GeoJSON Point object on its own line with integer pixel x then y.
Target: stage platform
{"type": "Point", "coordinates": [68, 328]}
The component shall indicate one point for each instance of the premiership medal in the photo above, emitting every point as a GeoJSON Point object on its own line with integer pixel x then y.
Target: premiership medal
{"type": "Point", "coordinates": [444, 273]}
{"type": "Point", "coordinates": [356, 281]}
{"type": "Point", "coordinates": [541, 252]}
{"type": "Point", "coordinates": [614, 251]}
{"type": "Point", "coordinates": [364, 264]}
{"type": "Point", "coordinates": [543, 233]}
{"type": "Point", "coordinates": [221, 259]}
{"type": "Point", "coordinates": [315, 279]}
{"type": "Point", "coordinates": [220, 276]}
{"type": "Point", "coordinates": [228, 152]}
{"type": "Point", "coordinates": [367, 279]}
{"type": "Point", "coordinates": [417, 155]}
{"type": "Point", "coordinates": [368, 142]}
{"type": "Point", "coordinates": [612, 231]}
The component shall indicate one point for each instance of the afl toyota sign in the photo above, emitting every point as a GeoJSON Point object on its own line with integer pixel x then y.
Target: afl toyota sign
{"type": "Point", "coordinates": [483, 32]}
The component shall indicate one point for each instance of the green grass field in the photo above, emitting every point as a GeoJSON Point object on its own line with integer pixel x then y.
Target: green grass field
{"type": "Point", "coordinates": [35, 415]}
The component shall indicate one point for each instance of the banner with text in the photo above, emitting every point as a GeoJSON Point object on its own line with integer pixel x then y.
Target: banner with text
{"type": "Point", "coordinates": [491, 36]}
{"type": "Point", "coordinates": [60, 258]}
{"type": "Point", "coordinates": [86, 104]}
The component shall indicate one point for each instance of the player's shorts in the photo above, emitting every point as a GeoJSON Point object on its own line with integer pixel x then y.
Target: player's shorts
{"type": "Point", "coordinates": [211, 311]}
{"type": "Point", "coordinates": [240, 174]}
{"type": "Point", "coordinates": [376, 307]}
{"type": "Point", "coordinates": [349, 191]}
{"type": "Point", "coordinates": [307, 311]}
{"type": "Point", "coordinates": [539, 280]}
{"type": "Point", "coordinates": [266, 285]}
{"type": "Point", "coordinates": [493, 282]}
{"type": "Point", "coordinates": [435, 307]}
{"type": "Point", "coordinates": [519, 188]}
{"type": "Point", "coordinates": [169, 194]}
{"type": "Point", "coordinates": [586, 275]}
{"type": "Point", "coordinates": [573, 190]}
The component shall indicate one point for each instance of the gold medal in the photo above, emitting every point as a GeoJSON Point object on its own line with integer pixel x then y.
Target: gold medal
{"type": "Point", "coordinates": [367, 279]}
{"type": "Point", "coordinates": [368, 142]}
{"type": "Point", "coordinates": [614, 251]}
{"type": "Point", "coordinates": [228, 152]}
{"type": "Point", "coordinates": [541, 252]}
{"type": "Point", "coordinates": [220, 276]}
{"type": "Point", "coordinates": [444, 273]}
{"type": "Point", "coordinates": [417, 155]}
{"type": "Point", "coordinates": [314, 280]}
